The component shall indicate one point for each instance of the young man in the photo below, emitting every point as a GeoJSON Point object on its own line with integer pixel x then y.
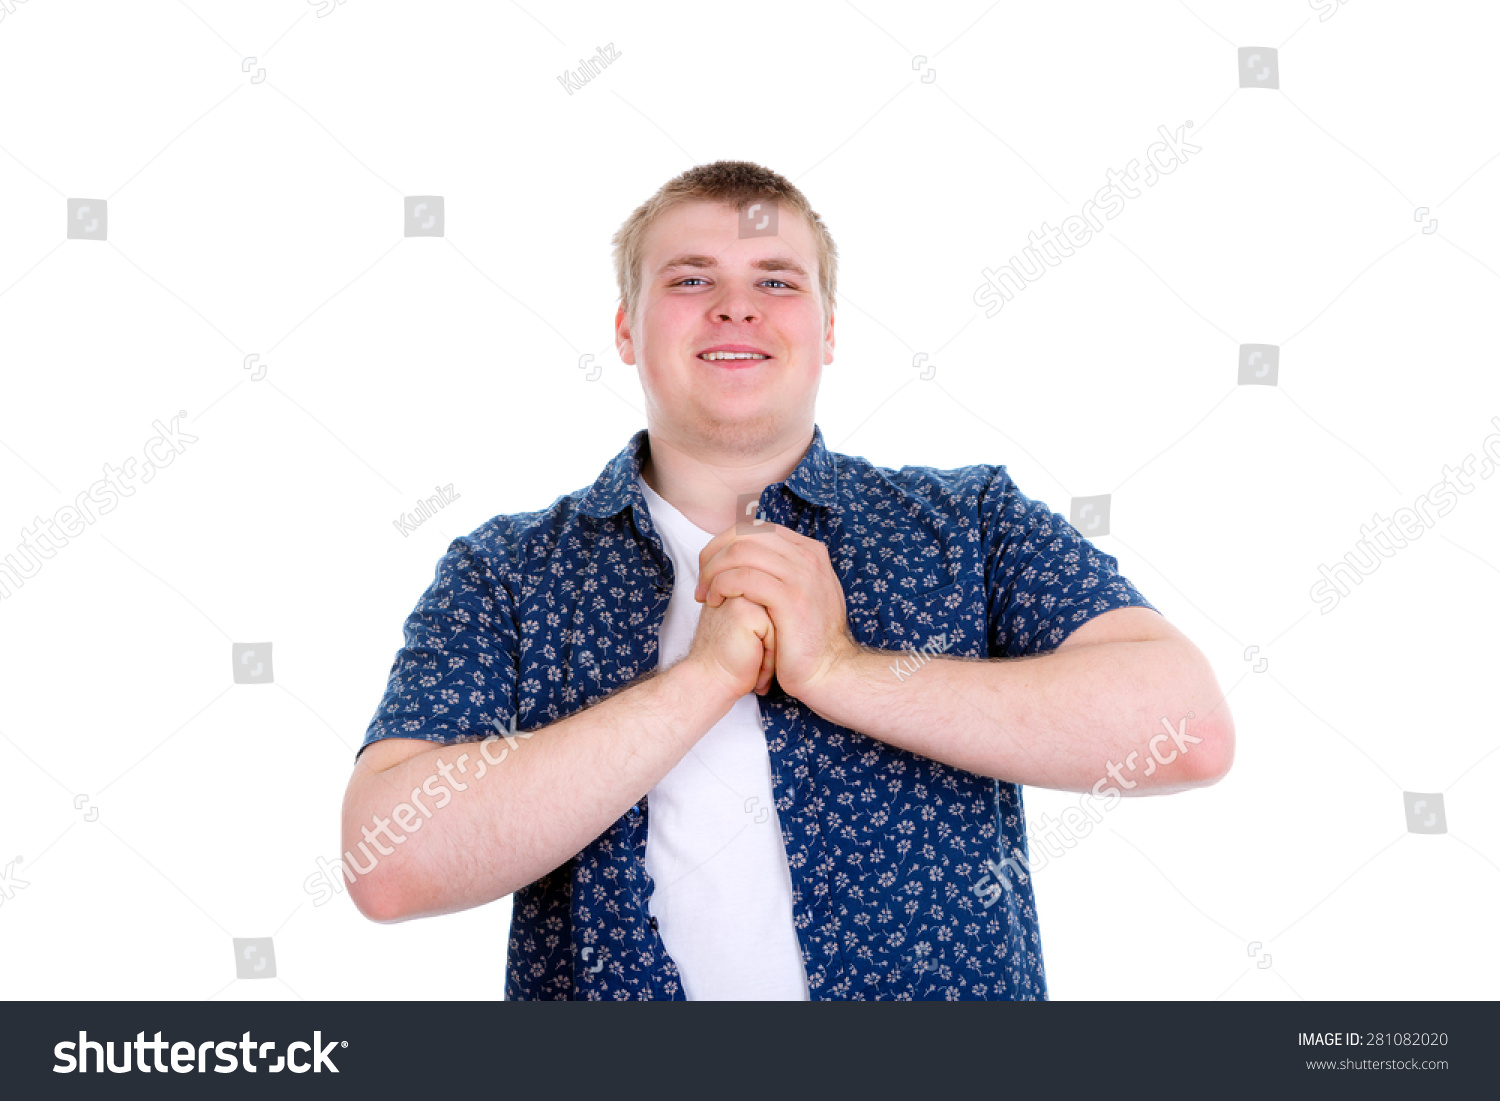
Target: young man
{"type": "Point", "coordinates": [756, 714]}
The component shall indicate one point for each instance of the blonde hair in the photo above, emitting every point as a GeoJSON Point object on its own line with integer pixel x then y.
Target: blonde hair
{"type": "Point", "coordinates": [737, 183]}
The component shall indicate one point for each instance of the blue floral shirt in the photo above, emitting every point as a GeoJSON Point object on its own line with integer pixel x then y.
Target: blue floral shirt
{"type": "Point", "coordinates": [540, 614]}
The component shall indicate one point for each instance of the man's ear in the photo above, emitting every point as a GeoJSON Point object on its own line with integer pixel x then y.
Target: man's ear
{"type": "Point", "coordinates": [624, 342]}
{"type": "Point", "coordinates": [828, 343]}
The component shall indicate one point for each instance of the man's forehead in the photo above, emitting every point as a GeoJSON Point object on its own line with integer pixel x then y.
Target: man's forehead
{"type": "Point", "coordinates": [705, 234]}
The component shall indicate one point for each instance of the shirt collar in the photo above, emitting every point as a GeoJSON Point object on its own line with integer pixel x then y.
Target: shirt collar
{"type": "Point", "coordinates": [616, 487]}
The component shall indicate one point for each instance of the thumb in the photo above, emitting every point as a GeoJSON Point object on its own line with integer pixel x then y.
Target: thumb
{"type": "Point", "coordinates": [767, 661]}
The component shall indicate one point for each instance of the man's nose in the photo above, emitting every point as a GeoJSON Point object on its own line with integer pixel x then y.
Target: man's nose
{"type": "Point", "coordinates": [735, 305]}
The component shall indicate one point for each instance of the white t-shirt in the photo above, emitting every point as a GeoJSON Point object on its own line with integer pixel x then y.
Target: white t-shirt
{"type": "Point", "coordinates": [723, 892]}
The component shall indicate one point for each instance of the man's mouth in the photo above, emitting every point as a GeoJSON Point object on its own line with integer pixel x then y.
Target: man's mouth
{"type": "Point", "coordinates": [733, 353]}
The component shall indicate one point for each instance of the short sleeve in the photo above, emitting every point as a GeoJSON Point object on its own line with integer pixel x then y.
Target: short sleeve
{"type": "Point", "coordinates": [1043, 580]}
{"type": "Point", "coordinates": [454, 680]}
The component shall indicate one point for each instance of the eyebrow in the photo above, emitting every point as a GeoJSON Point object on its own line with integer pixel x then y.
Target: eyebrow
{"type": "Point", "coordinates": [699, 260]}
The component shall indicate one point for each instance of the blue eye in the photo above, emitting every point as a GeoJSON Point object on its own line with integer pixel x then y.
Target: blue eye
{"type": "Point", "coordinates": [698, 278]}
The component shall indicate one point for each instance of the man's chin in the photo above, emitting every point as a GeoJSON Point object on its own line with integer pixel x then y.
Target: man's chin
{"type": "Point", "coordinates": [748, 431]}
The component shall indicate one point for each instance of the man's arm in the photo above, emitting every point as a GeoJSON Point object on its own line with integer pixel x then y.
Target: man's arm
{"type": "Point", "coordinates": [479, 820]}
{"type": "Point", "coordinates": [1112, 703]}
{"type": "Point", "coordinates": [1092, 709]}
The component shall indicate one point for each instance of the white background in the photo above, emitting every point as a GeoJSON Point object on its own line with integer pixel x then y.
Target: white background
{"type": "Point", "coordinates": [264, 217]}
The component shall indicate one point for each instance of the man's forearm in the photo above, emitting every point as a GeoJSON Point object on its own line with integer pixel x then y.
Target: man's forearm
{"type": "Point", "coordinates": [522, 805]}
{"type": "Point", "coordinates": [1057, 721]}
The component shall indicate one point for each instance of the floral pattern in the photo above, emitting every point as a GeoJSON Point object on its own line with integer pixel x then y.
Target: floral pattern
{"type": "Point", "coordinates": [540, 614]}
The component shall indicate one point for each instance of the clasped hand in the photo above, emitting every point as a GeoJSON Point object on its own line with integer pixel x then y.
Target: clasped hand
{"type": "Point", "coordinates": [791, 577]}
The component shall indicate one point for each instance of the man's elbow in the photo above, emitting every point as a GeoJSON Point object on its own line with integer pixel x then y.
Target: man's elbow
{"type": "Point", "coordinates": [1208, 753]}
{"type": "Point", "coordinates": [378, 892]}
{"type": "Point", "coordinates": [1211, 761]}
{"type": "Point", "coordinates": [378, 901]}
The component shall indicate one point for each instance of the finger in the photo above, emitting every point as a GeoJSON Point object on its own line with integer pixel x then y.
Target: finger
{"type": "Point", "coordinates": [774, 557]}
{"type": "Point", "coordinates": [727, 538]}
{"type": "Point", "coordinates": [767, 661]}
{"type": "Point", "coordinates": [754, 585]}
{"type": "Point", "coordinates": [715, 545]}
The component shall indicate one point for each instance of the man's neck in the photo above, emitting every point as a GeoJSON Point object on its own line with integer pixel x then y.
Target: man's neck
{"type": "Point", "coordinates": [704, 483]}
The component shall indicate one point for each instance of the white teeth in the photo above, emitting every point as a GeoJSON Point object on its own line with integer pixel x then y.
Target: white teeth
{"type": "Point", "coordinates": [732, 355]}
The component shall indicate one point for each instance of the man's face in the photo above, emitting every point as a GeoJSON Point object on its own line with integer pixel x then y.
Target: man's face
{"type": "Point", "coordinates": [703, 287]}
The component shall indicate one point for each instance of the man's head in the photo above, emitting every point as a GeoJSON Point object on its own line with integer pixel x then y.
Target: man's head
{"type": "Point", "coordinates": [695, 273]}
